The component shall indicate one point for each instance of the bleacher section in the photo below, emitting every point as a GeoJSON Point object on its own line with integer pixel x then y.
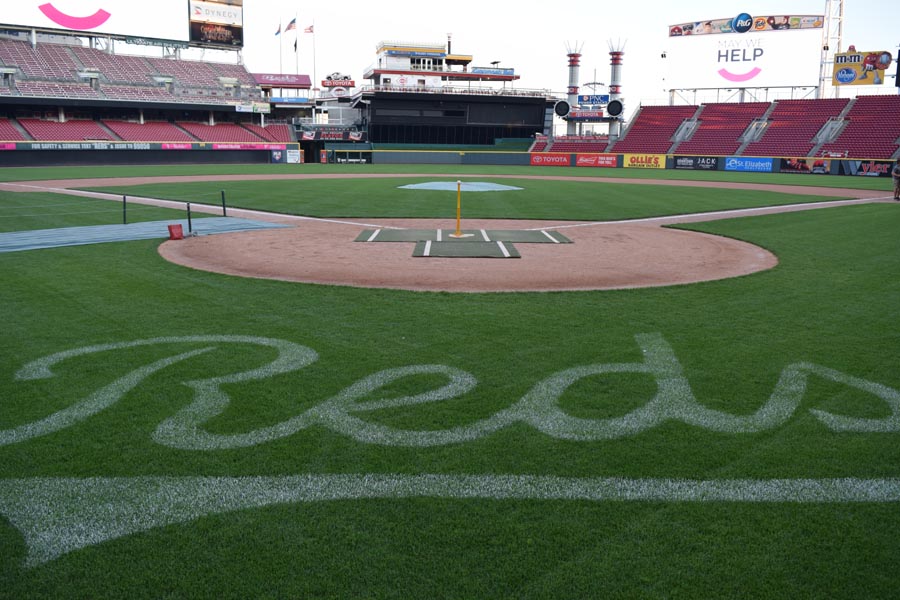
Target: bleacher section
{"type": "Point", "coordinates": [271, 133]}
{"type": "Point", "coordinates": [222, 132]}
{"type": "Point", "coordinates": [151, 131]}
{"type": "Point", "coordinates": [55, 89]}
{"type": "Point", "coordinates": [720, 127]}
{"type": "Point", "coordinates": [9, 133]}
{"type": "Point", "coordinates": [793, 125]}
{"type": "Point", "coordinates": [872, 130]}
{"type": "Point", "coordinates": [70, 131]}
{"type": "Point", "coordinates": [47, 61]}
{"type": "Point", "coordinates": [653, 129]}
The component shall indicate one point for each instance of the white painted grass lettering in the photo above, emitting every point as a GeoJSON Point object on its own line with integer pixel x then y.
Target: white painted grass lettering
{"type": "Point", "coordinates": [60, 515]}
{"type": "Point", "coordinates": [539, 407]}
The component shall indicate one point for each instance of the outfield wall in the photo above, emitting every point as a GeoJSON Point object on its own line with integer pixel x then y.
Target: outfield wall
{"type": "Point", "coordinates": [739, 164]}
{"type": "Point", "coordinates": [48, 154]}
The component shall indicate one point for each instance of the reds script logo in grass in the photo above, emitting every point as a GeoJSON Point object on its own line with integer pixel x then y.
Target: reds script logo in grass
{"type": "Point", "coordinates": [59, 515]}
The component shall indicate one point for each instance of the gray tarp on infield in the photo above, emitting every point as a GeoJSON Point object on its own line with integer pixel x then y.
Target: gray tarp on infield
{"type": "Point", "coordinates": [99, 234]}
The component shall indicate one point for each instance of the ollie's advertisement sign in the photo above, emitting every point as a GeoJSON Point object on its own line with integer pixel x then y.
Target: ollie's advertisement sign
{"type": "Point", "coordinates": [549, 159]}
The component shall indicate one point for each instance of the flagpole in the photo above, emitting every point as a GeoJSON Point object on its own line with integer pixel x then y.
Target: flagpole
{"type": "Point", "coordinates": [314, 54]}
{"type": "Point", "coordinates": [280, 50]}
{"type": "Point", "coordinates": [296, 51]}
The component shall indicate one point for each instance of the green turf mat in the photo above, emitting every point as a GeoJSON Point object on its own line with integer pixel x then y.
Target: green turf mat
{"type": "Point", "coordinates": [431, 249]}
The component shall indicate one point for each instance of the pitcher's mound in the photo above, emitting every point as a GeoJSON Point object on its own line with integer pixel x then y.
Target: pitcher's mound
{"type": "Point", "coordinates": [602, 256]}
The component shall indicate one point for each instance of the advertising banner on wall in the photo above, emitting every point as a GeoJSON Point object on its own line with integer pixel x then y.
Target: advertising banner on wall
{"type": "Point", "coordinates": [865, 168]}
{"type": "Point", "coordinates": [748, 164]}
{"type": "Point", "coordinates": [644, 161]}
{"type": "Point", "coordinates": [860, 68]}
{"type": "Point", "coordinates": [596, 160]}
{"type": "Point", "coordinates": [549, 159]}
{"type": "Point", "coordinates": [745, 51]}
{"type": "Point", "coordinates": [813, 166]}
{"type": "Point", "coordinates": [696, 163]}
{"type": "Point", "coordinates": [159, 19]}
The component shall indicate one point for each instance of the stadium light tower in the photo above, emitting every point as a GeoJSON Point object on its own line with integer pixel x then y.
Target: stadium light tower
{"type": "Point", "coordinates": [574, 54]}
{"type": "Point", "coordinates": [832, 43]}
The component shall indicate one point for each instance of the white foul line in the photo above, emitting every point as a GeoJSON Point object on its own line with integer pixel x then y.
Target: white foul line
{"type": "Point", "coordinates": [427, 248]}
{"type": "Point", "coordinates": [553, 239]}
{"type": "Point", "coordinates": [374, 235]}
{"type": "Point", "coordinates": [503, 249]}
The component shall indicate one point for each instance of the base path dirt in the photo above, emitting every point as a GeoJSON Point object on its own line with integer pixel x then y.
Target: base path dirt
{"type": "Point", "coordinates": [616, 255]}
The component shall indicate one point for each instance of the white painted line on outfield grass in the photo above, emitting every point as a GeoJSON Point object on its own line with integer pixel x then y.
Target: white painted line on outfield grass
{"type": "Point", "coordinates": [57, 516]}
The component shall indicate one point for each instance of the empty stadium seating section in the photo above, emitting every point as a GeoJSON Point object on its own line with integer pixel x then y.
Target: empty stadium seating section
{"type": "Point", "coordinates": [55, 70]}
{"type": "Point", "coordinates": [870, 128]}
{"type": "Point", "coordinates": [653, 129]}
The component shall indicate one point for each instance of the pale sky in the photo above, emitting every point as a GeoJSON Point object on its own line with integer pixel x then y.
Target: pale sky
{"type": "Point", "coordinates": [531, 37]}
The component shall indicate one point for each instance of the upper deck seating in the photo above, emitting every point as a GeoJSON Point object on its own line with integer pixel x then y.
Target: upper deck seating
{"type": "Point", "coordinates": [46, 61]}
{"type": "Point", "coordinates": [117, 68]}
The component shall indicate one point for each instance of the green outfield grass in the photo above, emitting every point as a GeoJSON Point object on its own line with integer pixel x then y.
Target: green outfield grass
{"type": "Point", "coordinates": [832, 304]}
{"type": "Point", "coordinates": [381, 197]}
{"type": "Point", "coordinates": [43, 210]}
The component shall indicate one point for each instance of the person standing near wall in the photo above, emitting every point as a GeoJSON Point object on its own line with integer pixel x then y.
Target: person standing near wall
{"type": "Point", "coordinates": [896, 174]}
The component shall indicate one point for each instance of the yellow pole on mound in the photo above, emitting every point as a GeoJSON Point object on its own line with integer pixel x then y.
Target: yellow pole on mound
{"type": "Point", "coordinates": [459, 233]}
{"type": "Point", "coordinates": [458, 207]}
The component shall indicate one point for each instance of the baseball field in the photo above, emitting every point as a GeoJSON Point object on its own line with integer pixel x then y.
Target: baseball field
{"type": "Point", "coordinates": [167, 431]}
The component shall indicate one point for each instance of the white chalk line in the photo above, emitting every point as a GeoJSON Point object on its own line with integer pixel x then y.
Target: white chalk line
{"type": "Point", "coordinates": [427, 251]}
{"type": "Point", "coordinates": [61, 515]}
{"type": "Point", "coordinates": [553, 239]}
{"type": "Point", "coordinates": [714, 215]}
{"type": "Point", "coordinates": [503, 249]}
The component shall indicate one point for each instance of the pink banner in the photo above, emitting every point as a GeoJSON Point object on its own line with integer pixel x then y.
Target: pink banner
{"type": "Point", "coordinates": [7, 146]}
{"type": "Point", "coordinates": [249, 147]}
{"type": "Point", "coordinates": [177, 146]}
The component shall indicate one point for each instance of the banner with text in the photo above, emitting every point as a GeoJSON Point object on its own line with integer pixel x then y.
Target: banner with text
{"type": "Point", "coordinates": [644, 161]}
